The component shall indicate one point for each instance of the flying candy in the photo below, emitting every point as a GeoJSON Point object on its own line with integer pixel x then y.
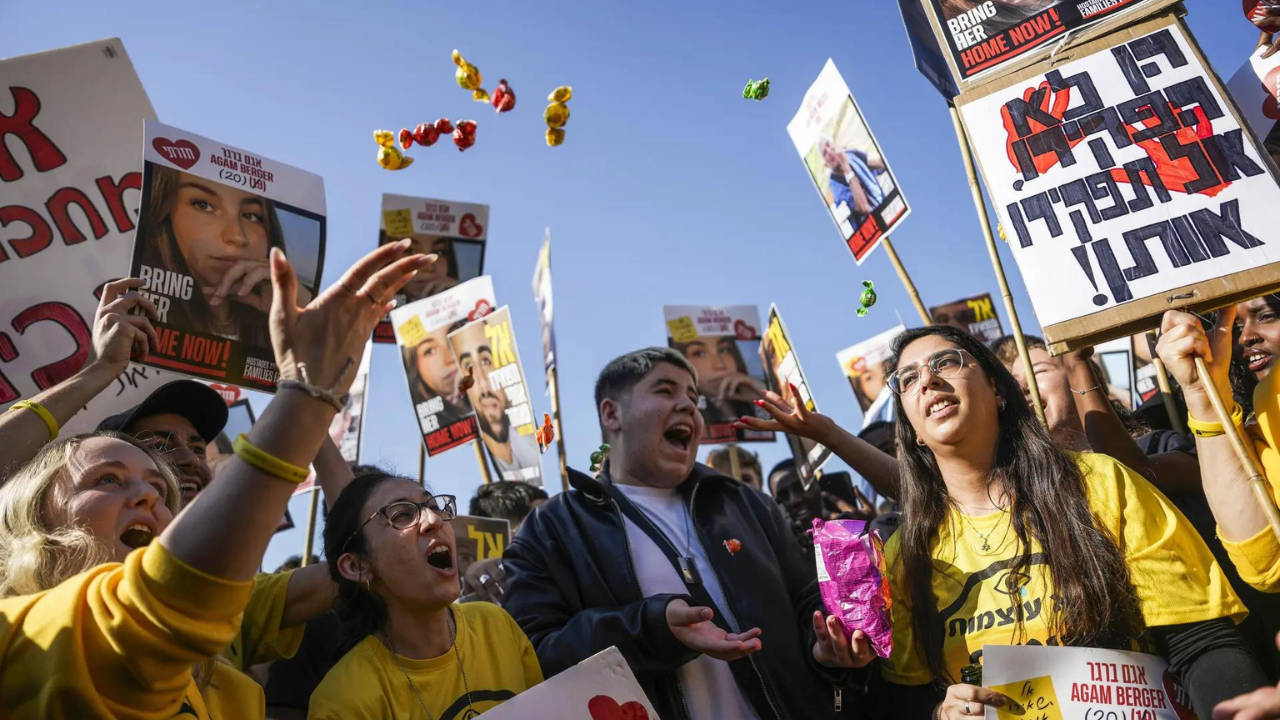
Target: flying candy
{"type": "Point", "coordinates": [545, 434]}
{"type": "Point", "coordinates": [406, 138]}
{"type": "Point", "coordinates": [557, 114]}
{"type": "Point", "coordinates": [597, 457]}
{"type": "Point", "coordinates": [555, 136]}
{"type": "Point", "coordinates": [467, 382]}
{"type": "Point", "coordinates": [443, 126]}
{"type": "Point", "coordinates": [756, 89]}
{"type": "Point", "coordinates": [464, 134]}
{"type": "Point", "coordinates": [868, 297]}
{"type": "Point", "coordinates": [468, 77]}
{"type": "Point", "coordinates": [426, 134]}
{"type": "Point", "coordinates": [383, 137]}
{"type": "Point", "coordinates": [504, 98]}
{"type": "Point", "coordinates": [392, 158]}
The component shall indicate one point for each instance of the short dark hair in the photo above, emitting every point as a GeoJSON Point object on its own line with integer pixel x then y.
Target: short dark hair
{"type": "Point", "coordinates": [720, 461]}
{"type": "Point", "coordinates": [507, 499]}
{"type": "Point", "coordinates": [623, 372]}
{"type": "Point", "coordinates": [1006, 347]}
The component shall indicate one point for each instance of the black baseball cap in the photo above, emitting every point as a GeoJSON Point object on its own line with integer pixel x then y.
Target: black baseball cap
{"type": "Point", "coordinates": [195, 401]}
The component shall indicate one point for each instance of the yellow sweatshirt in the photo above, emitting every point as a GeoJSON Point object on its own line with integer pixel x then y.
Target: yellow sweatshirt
{"type": "Point", "coordinates": [119, 641]}
{"type": "Point", "coordinates": [1258, 558]}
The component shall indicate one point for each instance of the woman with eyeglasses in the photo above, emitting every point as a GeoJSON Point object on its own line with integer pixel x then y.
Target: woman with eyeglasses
{"type": "Point", "coordinates": [1008, 539]}
{"type": "Point", "coordinates": [413, 652]}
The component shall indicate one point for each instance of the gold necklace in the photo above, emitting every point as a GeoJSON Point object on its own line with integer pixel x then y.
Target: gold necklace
{"type": "Point", "coordinates": [453, 642]}
{"type": "Point", "coordinates": [985, 538]}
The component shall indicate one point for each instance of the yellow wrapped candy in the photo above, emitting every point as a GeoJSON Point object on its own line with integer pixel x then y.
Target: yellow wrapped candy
{"type": "Point", "coordinates": [556, 114]}
{"type": "Point", "coordinates": [560, 94]}
{"type": "Point", "coordinates": [391, 158]}
{"type": "Point", "coordinates": [469, 78]}
{"type": "Point", "coordinates": [555, 136]}
{"type": "Point", "coordinates": [385, 138]}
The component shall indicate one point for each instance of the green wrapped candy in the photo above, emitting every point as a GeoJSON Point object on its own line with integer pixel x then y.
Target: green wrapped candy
{"type": "Point", "coordinates": [597, 457]}
{"type": "Point", "coordinates": [868, 297]}
{"type": "Point", "coordinates": [756, 89]}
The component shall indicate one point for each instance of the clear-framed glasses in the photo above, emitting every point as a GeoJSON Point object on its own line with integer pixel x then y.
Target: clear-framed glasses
{"type": "Point", "coordinates": [944, 364]}
{"type": "Point", "coordinates": [404, 514]}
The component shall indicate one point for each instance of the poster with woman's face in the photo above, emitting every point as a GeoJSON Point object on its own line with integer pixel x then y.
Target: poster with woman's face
{"type": "Point", "coordinates": [723, 345]}
{"type": "Point", "coordinates": [210, 216]}
{"type": "Point", "coordinates": [456, 231]}
{"type": "Point", "coordinates": [782, 370]}
{"type": "Point", "coordinates": [863, 366]}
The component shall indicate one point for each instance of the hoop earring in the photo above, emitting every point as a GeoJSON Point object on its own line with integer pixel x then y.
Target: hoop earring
{"type": "Point", "coordinates": [1000, 403]}
{"type": "Point", "coordinates": [919, 441]}
{"type": "Point", "coordinates": [366, 586]}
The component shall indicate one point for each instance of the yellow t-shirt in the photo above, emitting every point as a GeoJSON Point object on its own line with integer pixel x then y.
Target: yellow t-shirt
{"type": "Point", "coordinates": [118, 641]}
{"type": "Point", "coordinates": [1176, 577]}
{"type": "Point", "coordinates": [497, 658]}
{"type": "Point", "coordinates": [261, 639]}
{"type": "Point", "coordinates": [1257, 559]}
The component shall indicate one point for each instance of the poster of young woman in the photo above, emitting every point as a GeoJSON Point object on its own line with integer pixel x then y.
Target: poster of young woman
{"type": "Point", "coordinates": [486, 350]}
{"type": "Point", "coordinates": [456, 231]}
{"type": "Point", "coordinates": [863, 366]}
{"type": "Point", "coordinates": [782, 370]}
{"type": "Point", "coordinates": [422, 333]}
{"type": "Point", "coordinates": [210, 215]}
{"type": "Point", "coordinates": [723, 344]}
{"type": "Point", "coordinates": [347, 425]}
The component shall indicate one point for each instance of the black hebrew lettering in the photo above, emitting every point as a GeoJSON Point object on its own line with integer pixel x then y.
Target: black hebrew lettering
{"type": "Point", "coordinates": [1226, 152]}
{"type": "Point", "coordinates": [1111, 271]}
{"type": "Point", "coordinates": [1147, 107]}
{"type": "Point", "coordinates": [1090, 100]}
{"type": "Point", "coordinates": [1190, 93]}
{"type": "Point", "coordinates": [1032, 614]}
{"type": "Point", "coordinates": [1144, 48]}
{"type": "Point", "coordinates": [1143, 264]}
{"type": "Point", "coordinates": [1206, 176]}
{"type": "Point", "coordinates": [1006, 616]}
{"type": "Point", "coordinates": [1190, 239]}
{"type": "Point", "coordinates": [1022, 111]}
{"type": "Point", "coordinates": [1227, 225]}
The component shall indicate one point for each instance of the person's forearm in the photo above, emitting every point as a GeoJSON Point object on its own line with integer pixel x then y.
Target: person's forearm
{"type": "Point", "coordinates": [24, 432]}
{"type": "Point", "coordinates": [1226, 484]}
{"type": "Point", "coordinates": [1102, 427]}
{"type": "Point", "coordinates": [310, 593]}
{"type": "Point", "coordinates": [867, 460]}
{"type": "Point", "coordinates": [332, 472]}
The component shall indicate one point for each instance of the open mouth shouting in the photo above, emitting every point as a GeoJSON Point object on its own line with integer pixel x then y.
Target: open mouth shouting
{"type": "Point", "coordinates": [1257, 358]}
{"type": "Point", "coordinates": [137, 535]}
{"type": "Point", "coordinates": [942, 407]}
{"type": "Point", "coordinates": [679, 436]}
{"type": "Point", "coordinates": [440, 557]}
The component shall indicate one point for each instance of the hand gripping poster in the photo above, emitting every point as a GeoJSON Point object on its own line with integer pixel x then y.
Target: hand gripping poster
{"type": "Point", "coordinates": [456, 231]}
{"type": "Point", "coordinates": [211, 214]}
{"type": "Point", "coordinates": [1126, 185]}
{"type": "Point", "coordinates": [435, 379]}
{"type": "Point", "coordinates": [846, 165]}
{"type": "Point", "coordinates": [486, 352]}
{"type": "Point", "coordinates": [782, 371]}
{"type": "Point", "coordinates": [723, 345]}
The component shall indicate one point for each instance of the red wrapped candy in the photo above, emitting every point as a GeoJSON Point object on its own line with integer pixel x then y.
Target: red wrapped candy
{"type": "Point", "coordinates": [443, 126]}
{"type": "Point", "coordinates": [464, 134]}
{"type": "Point", "coordinates": [504, 98]}
{"type": "Point", "coordinates": [406, 138]}
{"type": "Point", "coordinates": [425, 134]}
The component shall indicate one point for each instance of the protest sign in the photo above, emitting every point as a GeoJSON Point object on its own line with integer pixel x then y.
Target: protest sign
{"type": "Point", "coordinates": [846, 165]}
{"type": "Point", "coordinates": [1256, 89]}
{"type": "Point", "coordinates": [211, 213]}
{"type": "Point", "coordinates": [478, 538]}
{"type": "Point", "coordinates": [1055, 683]}
{"type": "Point", "coordinates": [863, 366]}
{"type": "Point", "coordinates": [1126, 184]}
{"type": "Point", "coordinates": [930, 60]}
{"type": "Point", "coordinates": [546, 311]}
{"type": "Point", "coordinates": [70, 206]}
{"type": "Point", "coordinates": [500, 395]}
{"type": "Point", "coordinates": [602, 687]}
{"type": "Point", "coordinates": [985, 38]}
{"type": "Point", "coordinates": [782, 370]}
{"type": "Point", "coordinates": [975, 315]}
{"type": "Point", "coordinates": [456, 231]}
{"type": "Point", "coordinates": [422, 332]}
{"type": "Point", "coordinates": [723, 344]}
{"type": "Point", "coordinates": [347, 425]}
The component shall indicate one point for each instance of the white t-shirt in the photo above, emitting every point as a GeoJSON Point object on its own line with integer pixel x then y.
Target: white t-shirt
{"type": "Point", "coordinates": [708, 685]}
{"type": "Point", "coordinates": [524, 457]}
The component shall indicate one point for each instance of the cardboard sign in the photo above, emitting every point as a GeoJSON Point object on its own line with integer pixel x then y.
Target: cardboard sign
{"type": "Point", "coordinates": [210, 216]}
{"type": "Point", "coordinates": [546, 310]}
{"type": "Point", "coordinates": [723, 344]}
{"type": "Point", "coordinates": [347, 425]}
{"type": "Point", "coordinates": [975, 315]}
{"type": "Point", "coordinates": [1056, 683]}
{"type": "Point", "coordinates": [781, 370]}
{"type": "Point", "coordinates": [479, 538]}
{"type": "Point", "coordinates": [456, 231]}
{"type": "Point", "coordinates": [500, 395]}
{"type": "Point", "coordinates": [863, 366]}
{"type": "Point", "coordinates": [422, 332]}
{"type": "Point", "coordinates": [846, 165]}
{"type": "Point", "coordinates": [1126, 185]}
{"type": "Point", "coordinates": [70, 208]}
{"type": "Point", "coordinates": [602, 687]}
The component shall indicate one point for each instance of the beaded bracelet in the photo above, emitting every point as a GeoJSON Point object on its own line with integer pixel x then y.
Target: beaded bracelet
{"type": "Point", "coordinates": [266, 462]}
{"type": "Point", "coordinates": [1199, 428]}
{"type": "Point", "coordinates": [49, 422]}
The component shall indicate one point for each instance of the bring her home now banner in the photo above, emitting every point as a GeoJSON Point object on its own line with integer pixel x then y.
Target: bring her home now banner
{"type": "Point", "coordinates": [782, 369]}
{"type": "Point", "coordinates": [1126, 185]}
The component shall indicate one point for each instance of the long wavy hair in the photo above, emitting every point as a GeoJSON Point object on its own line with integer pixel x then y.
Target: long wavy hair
{"type": "Point", "coordinates": [1094, 602]}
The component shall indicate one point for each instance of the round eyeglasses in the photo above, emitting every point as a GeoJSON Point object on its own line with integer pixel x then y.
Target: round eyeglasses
{"type": "Point", "coordinates": [404, 514]}
{"type": "Point", "coordinates": [944, 364]}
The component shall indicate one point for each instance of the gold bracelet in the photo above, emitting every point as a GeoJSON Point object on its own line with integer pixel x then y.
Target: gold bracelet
{"type": "Point", "coordinates": [49, 422]}
{"type": "Point", "coordinates": [266, 462]}
{"type": "Point", "coordinates": [1203, 429]}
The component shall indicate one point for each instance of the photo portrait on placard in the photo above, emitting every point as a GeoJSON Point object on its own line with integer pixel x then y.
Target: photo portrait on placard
{"type": "Point", "coordinates": [347, 425]}
{"type": "Point", "coordinates": [863, 366]}
{"type": "Point", "coordinates": [210, 216]}
{"type": "Point", "coordinates": [455, 231]}
{"type": "Point", "coordinates": [975, 315]}
{"type": "Point", "coordinates": [782, 371]}
{"type": "Point", "coordinates": [546, 308]}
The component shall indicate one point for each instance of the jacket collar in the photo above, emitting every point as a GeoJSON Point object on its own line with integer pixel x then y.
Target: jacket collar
{"type": "Point", "coordinates": [595, 490]}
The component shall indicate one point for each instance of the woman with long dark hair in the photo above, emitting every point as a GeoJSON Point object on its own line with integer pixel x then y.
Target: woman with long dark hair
{"type": "Point", "coordinates": [1062, 548]}
{"type": "Point", "coordinates": [413, 652]}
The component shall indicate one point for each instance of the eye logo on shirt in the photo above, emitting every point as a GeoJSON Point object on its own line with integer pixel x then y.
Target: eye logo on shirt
{"type": "Point", "coordinates": [461, 709]}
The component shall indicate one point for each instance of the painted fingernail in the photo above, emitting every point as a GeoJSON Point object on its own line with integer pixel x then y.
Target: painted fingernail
{"type": "Point", "coordinates": [759, 403]}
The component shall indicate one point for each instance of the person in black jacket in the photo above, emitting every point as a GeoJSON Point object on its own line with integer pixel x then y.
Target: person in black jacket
{"type": "Point", "coordinates": [692, 575]}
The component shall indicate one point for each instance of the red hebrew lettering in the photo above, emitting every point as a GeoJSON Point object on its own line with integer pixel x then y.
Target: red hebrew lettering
{"type": "Point", "coordinates": [71, 234]}
{"type": "Point", "coordinates": [39, 238]}
{"type": "Point", "coordinates": [8, 353]}
{"type": "Point", "coordinates": [66, 316]}
{"type": "Point", "coordinates": [44, 153]}
{"type": "Point", "coordinates": [113, 193]}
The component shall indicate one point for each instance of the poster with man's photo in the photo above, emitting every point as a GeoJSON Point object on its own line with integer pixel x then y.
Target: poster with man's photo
{"type": "Point", "coordinates": [422, 333]}
{"type": "Point", "coordinates": [723, 345]}
{"type": "Point", "coordinates": [846, 164]}
{"type": "Point", "coordinates": [863, 366]}
{"type": "Point", "coordinates": [210, 216]}
{"type": "Point", "coordinates": [347, 425]}
{"type": "Point", "coordinates": [782, 371]}
{"type": "Point", "coordinates": [975, 315]}
{"type": "Point", "coordinates": [486, 350]}
{"type": "Point", "coordinates": [456, 231]}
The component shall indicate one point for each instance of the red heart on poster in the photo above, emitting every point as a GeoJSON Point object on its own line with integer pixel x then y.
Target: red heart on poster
{"type": "Point", "coordinates": [482, 308]}
{"type": "Point", "coordinates": [603, 707]}
{"type": "Point", "coordinates": [634, 711]}
{"type": "Point", "coordinates": [1270, 106]}
{"type": "Point", "coordinates": [743, 330]}
{"type": "Point", "coordinates": [182, 153]}
{"type": "Point", "coordinates": [229, 393]}
{"type": "Point", "coordinates": [468, 227]}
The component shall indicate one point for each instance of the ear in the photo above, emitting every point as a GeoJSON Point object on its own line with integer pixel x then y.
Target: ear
{"type": "Point", "coordinates": [611, 415]}
{"type": "Point", "coordinates": [354, 568]}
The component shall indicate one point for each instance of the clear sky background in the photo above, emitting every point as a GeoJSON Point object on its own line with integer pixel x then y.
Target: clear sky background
{"type": "Point", "coordinates": [669, 189]}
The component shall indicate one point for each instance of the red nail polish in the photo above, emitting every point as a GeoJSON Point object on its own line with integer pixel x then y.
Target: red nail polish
{"type": "Point", "coordinates": [759, 403]}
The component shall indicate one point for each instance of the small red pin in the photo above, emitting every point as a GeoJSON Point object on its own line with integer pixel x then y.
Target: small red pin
{"type": "Point", "coordinates": [733, 546]}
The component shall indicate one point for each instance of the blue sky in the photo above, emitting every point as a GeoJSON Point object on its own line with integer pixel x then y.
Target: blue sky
{"type": "Point", "coordinates": [670, 188]}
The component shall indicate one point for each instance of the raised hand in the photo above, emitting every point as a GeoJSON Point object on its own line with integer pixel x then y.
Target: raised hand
{"type": "Point", "coordinates": [786, 418]}
{"type": "Point", "coordinates": [116, 332]}
{"type": "Point", "coordinates": [246, 282]}
{"type": "Point", "coordinates": [692, 626]}
{"type": "Point", "coordinates": [832, 650]}
{"type": "Point", "coordinates": [1183, 339]}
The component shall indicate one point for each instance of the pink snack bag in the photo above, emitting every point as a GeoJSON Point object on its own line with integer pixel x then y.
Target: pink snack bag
{"type": "Point", "coordinates": [853, 581]}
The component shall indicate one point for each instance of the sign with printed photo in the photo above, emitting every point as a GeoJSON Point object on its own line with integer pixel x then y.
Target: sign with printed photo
{"type": "Point", "coordinates": [863, 367]}
{"type": "Point", "coordinates": [546, 310]}
{"type": "Point", "coordinates": [211, 214]}
{"type": "Point", "coordinates": [975, 315]}
{"type": "Point", "coordinates": [479, 538]}
{"type": "Point", "coordinates": [1256, 89]}
{"type": "Point", "coordinates": [456, 231]}
{"type": "Point", "coordinates": [422, 333]}
{"type": "Point", "coordinates": [486, 349]}
{"type": "Point", "coordinates": [347, 425]}
{"type": "Point", "coordinates": [782, 370]}
{"type": "Point", "coordinates": [1126, 184]}
{"type": "Point", "coordinates": [846, 164]}
{"type": "Point", "coordinates": [723, 344]}
{"type": "Point", "coordinates": [602, 687]}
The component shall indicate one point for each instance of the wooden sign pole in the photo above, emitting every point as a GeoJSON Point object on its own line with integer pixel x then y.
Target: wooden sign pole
{"type": "Point", "coordinates": [308, 543]}
{"type": "Point", "coordinates": [553, 386]}
{"type": "Point", "coordinates": [906, 281]}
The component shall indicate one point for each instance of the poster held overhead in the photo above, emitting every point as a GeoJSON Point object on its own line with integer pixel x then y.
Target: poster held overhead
{"type": "Point", "coordinates": [782, 371]}
{"type": "Point", "coordinates": [975, 315]}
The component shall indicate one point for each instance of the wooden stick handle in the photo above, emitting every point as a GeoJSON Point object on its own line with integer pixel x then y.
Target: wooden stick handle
{"type": "Point", "coordinates": [1166, 390]}
{"type": "Point", "coordinates": [308, 543]}
{"type": "Point", "coordinates": [906, 281]}
{"type": "Point", "coordinates": [553, 382]}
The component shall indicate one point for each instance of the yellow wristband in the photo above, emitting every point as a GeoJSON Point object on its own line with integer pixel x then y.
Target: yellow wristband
{"type": "Point", "coordinates": [268, 463]}
{"type": "Point", "coordinates": [44, 414]}
{"type": "Point", "coordinates": [1213, 429]}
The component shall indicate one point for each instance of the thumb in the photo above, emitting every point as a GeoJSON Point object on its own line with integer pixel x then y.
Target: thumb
{"type": "Point", "coordinates": [1220, 339]}
{"type": "Point", "coordinates": [679, 615]}
{"type": "Point", "coordinates": [284, 288]}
